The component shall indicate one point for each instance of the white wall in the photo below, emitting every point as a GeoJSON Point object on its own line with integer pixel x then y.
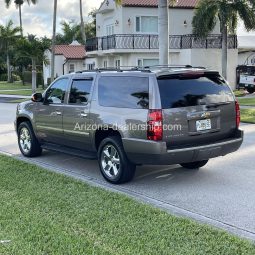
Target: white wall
{"type": "Point", "coordinates": [211, 58]}
{"type": "Point", "coordinates": [123, 14]}
{"type": "Point", "coordinates": [244, 56]}
{"type": "Point", "coordinates": [79, 65]}
{"type": "Point", "coordinates": [59, 60]}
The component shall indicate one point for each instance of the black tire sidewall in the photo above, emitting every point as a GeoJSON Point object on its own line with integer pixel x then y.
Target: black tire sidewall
{"type": "Point", "coordinates": [125, 164]}
{"type": "Point", "coordinates": [35, 149]}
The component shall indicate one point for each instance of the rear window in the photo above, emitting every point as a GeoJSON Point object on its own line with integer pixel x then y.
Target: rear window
{"type": "Point", "coordinates": [179, 92]}
{"type": "Point", "coordinates": [124, 92]}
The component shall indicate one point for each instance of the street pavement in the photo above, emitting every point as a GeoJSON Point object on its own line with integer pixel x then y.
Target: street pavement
{"type": "Point", "coordinates": [221, 194]}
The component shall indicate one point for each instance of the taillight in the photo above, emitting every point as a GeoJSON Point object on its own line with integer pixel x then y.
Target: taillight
{"type": "Point", "coordinates": [238, 115]}
{"type": "Point", "coordinates": [155, 125]}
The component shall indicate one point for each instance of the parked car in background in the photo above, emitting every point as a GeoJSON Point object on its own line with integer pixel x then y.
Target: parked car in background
{"type": "Point", "coordinates": [153, 115]}
{"type": "Point", "coordinates": [246, 78]}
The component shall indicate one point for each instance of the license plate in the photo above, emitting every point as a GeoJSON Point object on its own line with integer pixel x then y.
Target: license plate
{"type": "Point", "coordinates": [203, 125]}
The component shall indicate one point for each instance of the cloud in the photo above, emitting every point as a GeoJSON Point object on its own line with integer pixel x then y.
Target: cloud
{"type": "Point", "coordinates": [37, 19]}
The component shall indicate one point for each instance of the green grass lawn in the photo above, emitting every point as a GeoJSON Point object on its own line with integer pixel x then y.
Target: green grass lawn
{"type": "Point", "coordinates": [17, 89]}
{"type": "Point", "coordinates": [47, 213]}
{"type": "Point", "coordinates": [248, 115]}
{"type": "Point", "coordinates": [239, 93]}
{"type": "Point", "coordinates": [247, 101]}
{"type": "Point", "coordinates": [16, 86]}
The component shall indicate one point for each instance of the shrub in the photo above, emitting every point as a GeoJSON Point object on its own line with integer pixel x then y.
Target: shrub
{"type": "Point", "coordinates": [3, 77]}
{"type": "Point", "coordinates": [28, 77]}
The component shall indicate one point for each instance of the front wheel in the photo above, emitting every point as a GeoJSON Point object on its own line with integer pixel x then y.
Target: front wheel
{"type": "Point", "coordinates": [28, 143]}
{"type": "Point", "coordinates": [194, 165]}
{"type": "Point", "coordinates": [113, 162]}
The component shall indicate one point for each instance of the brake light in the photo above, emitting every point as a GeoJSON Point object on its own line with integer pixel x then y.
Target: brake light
{"type": "Point", "coordinates": [238, 115]}
{"type": "Point", "coordinates": [155, 125]}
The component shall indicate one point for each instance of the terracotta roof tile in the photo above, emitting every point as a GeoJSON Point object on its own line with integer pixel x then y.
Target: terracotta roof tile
{"type": "Point", "coordinates": [71, 51]}
{"type": "Point", "coordinates": [154, 3]}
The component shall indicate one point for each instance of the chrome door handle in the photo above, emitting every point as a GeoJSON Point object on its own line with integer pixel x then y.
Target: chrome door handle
{"type": "Point", "coordinates": [58, 113]}
{"type": "Point", "coordinates": [84, 115]}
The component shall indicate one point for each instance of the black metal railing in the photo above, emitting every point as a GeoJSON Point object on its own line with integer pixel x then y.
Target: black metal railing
{"type": "Point", "coordinates": [144, 41]}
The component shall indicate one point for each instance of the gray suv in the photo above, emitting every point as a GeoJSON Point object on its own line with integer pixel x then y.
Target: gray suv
{"type": "Point", "coordinates": [154, 115]}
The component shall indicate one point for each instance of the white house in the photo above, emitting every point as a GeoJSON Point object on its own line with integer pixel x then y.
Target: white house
{"type": "Point", "coordinates": [246, 50]}
{"type": "Point", "coordinates": [128, 36]}
{"type": "Point", "coordinates": [68, 58]}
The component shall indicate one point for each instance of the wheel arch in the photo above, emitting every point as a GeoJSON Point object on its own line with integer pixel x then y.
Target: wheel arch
{"type": "Point", "coordinates": [101, 134]}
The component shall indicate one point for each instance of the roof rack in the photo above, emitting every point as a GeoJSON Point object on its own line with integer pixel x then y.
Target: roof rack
{"type": "Point", "coordinates": [138, 68]}
{"type": "Point", "coordinates": [116, 69]}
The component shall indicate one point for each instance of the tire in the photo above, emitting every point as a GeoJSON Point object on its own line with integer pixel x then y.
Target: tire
{"type": "Point", "coordinates": [194, 165]}
{"type": "Point", "coordinates": [28, 143]}
{"type": "Point", "coordinates": [113, 162]}
{"type": "Point", "coordinates": [251, 90]}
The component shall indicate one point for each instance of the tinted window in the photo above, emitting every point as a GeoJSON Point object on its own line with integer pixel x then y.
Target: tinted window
{"type": "Point", "coordinates": [56, 93]}
{"type": "Point", "coordinates": [183, 92]}
{"type": "Point", "coordinates": [80, 91]}
{"type": "Point", "coordinates": [125, 92]}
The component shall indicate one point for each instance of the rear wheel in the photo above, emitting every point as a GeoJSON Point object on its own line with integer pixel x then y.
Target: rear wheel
{"type": "Point", "coordinates": [28, 143]}
{"type": "Point", "coordinates": [113, 162]}
{"type": "Point", "coordinates": [251, 90]}
{"type": "Point", "coordinates": [194, 165]}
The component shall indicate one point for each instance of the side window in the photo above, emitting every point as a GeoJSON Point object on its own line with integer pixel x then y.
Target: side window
{"type": "Point", "coordinates": [80, 91]}
{"type": "Point", "coordinates": [124, 92]}
{"type": "Point", "coordinates": [56, 93]}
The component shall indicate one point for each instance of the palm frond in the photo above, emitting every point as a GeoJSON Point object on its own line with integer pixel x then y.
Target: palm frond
{"type": "Point", "coordinates": [205, 17]}
{"type": "Point", "coordinates": [8, 3]}
{"type": "Point", "coordinates": [246, 13]}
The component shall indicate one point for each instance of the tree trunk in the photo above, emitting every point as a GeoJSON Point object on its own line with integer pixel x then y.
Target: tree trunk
{"type": "Point", "coordinates": [82, 25]}
{"type": "Point", "coordinates": [8, 66]}
{"type": "Point", "coordinates": [163, 32]}
{"type": "Point", "coordinates": [20, 21]}
{"type": "Point", "coordinates": [224, 54]}
{"type": "Point", "coordinates": [33, 75]}
{"type": "Point", "coordinates": [53, 41]}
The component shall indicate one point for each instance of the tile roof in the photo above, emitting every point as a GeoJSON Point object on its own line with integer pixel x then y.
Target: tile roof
{"type": "Point", "coordinates": [154, 3]}
{"type": "Point", "coordinates": [71, 51]}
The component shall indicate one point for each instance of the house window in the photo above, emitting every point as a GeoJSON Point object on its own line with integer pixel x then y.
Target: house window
{"type": "Point", "coordinates": [117, 63]}
{"type": "Point", "coordinates": [148, 62]}
{"type": "Point", "coordinates": [105, 64]}
{"type": "Point", "coordinates": [146, 24]}
{"type": "Point", "coordinates": [71, 68]}
{"type": "Point", "coordinates": [110, 29]}
{"type": "Point", "coordinates": [90, 66]}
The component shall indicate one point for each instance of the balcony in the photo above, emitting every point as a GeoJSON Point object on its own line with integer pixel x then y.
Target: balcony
{"type": "Point", "coordinates": [150, 42]}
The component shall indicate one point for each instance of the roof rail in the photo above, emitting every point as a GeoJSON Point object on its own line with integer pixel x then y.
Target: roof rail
{"type": "Point", "coordinates": [138, 68]}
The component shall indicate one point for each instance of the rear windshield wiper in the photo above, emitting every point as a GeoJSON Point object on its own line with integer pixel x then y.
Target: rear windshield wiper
{"type": "Point", "coordinates": [217, 104]}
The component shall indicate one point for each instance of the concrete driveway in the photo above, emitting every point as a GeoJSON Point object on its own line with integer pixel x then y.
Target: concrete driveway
{"type": "Point", "coordinates": [222, 193]}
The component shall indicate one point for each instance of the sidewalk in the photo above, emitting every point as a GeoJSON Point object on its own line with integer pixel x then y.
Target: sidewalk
{"type": "Point", "coordinates": [14, 96]}
{"type": "Point", "coordinates": [247, 107]}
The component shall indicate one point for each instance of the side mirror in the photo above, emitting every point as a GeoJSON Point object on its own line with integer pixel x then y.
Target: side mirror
{"type": "Point", "coordinates": [37, 97]}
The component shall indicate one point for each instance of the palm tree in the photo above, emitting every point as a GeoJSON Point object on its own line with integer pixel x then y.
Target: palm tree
{"type": "Point", "coordinates": [82, 25]}
{"type": "Point", "coordinates": [71, 31]}
{"type": "Point", "coordinates": [8, 38]}
{"type": "Point", "coordinates": [53, 41]}
{"type": "Point", "coordinates": [33, 49]}
{"type": "Point", "coordinates": [163, 32]}
{"type": "Point", "coordinates": [19, 4]}
{"type": "Point", "coordinates": [208, 12]}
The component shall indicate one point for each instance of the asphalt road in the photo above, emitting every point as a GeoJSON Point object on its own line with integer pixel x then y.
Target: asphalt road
{"type": "Point", "coordinates": [222, 193]}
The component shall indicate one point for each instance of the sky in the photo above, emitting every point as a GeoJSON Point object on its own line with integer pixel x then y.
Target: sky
{"type": "Point", "coordinates": [37, 19]}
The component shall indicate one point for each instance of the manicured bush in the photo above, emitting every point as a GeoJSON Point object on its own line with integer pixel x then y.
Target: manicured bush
{"type": "Point", "coordinates": [3, 77]}
{"type": "Point", "coordinates": [28, 77]}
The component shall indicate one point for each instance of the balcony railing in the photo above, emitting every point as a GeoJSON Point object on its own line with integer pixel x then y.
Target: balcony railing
{"type": "Point", "coordinates": [148, 42]}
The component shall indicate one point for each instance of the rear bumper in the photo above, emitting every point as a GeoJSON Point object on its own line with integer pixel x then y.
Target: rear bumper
{"type": "Point", "coordinates": [156, 153]}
